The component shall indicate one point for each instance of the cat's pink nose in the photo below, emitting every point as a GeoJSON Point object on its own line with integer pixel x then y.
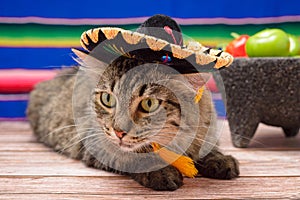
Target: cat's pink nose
{"type": "Point", "coordinates": [120, 134]}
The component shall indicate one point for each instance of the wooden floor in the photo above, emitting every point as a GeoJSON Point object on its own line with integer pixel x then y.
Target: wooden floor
{"type": "Point", "coordinates": [270, 169]}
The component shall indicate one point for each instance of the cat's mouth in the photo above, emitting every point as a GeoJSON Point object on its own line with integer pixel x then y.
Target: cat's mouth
{"type": "Point", "coordinates": [125, 145]}
{"type": "Point", "coordinates": [131, 144]}
{"type": "Point", "coordinates": [137, 147]}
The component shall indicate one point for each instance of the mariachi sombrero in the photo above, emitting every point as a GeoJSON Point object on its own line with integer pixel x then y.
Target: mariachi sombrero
{"type": "Point", "coordinates": [157, 40]}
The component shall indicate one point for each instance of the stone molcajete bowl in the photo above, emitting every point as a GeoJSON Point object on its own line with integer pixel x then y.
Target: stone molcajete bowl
{"type": "Point", "coordinates": [263, 90]}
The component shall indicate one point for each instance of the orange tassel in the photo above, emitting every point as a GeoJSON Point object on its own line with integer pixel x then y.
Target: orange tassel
{"type": "Point", "coordinates": [199, 94]}
{"type": "Point", "coordinates": [183, 163]}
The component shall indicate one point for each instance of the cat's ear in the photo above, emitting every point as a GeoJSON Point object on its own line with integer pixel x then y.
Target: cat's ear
{"type": "Point", "coordinates": [197, 80]}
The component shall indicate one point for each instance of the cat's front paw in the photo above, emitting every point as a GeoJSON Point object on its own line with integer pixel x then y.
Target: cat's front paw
{"type": "Point", "coordinates": [219, 166]}
{"type": "Point", "coordinates": [167, 178]}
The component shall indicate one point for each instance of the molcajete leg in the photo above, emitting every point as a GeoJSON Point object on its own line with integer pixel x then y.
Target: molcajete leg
{"type": "Point", "coordinates": [290, 132]}
{"type": "Point", "coordinates": [242, 129]}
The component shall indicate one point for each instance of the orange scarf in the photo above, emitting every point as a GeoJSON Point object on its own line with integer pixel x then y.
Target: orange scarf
{"type": "Point", "coordinates": [183, 163]}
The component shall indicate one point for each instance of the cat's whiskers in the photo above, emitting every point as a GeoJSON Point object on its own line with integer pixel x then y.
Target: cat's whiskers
{"type": "Point", "coordinates": [220, 133]}
{"type": "Point", "coordinates": [56, 130]}
{"type": "Point", "coordinates": [114, 154]}
{"type": "Point", "coordinates": [162, 140]}
{"type": "Point", "coordinates": [88, 69]}
{"type": "Point", "coordinates": [144, 148]}
{"type": "Point", "coordinates": [62, 75]}
{"type": "Point", "coordinates": [182, 151]}
{"type": "Point", "coordinates": [199, 143]}
{"type": "Point", "coordinates": [78, 139]}
{"type": "Point", "coordinates": [93, 144]}
{"type": "Point", "coordinates": [202, 140]}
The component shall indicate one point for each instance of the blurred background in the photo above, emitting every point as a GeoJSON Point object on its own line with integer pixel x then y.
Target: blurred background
{"type": "Point", "coordinates": [36, 36]}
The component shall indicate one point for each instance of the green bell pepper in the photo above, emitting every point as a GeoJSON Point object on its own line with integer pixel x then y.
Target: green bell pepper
{"type": "Point", "coordinates": [268, 43]}
{"type": "Point", "coordinates": [294, 45]}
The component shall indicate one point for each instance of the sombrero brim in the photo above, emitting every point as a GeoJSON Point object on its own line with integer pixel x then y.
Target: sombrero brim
{"type": "Point", "coordinates": [106, 44]}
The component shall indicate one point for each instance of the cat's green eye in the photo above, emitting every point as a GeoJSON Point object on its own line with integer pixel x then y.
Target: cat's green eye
{"type": "Point", "coordinates": [149, 105]}
{"type": "Point", "coordinates": [108, 100]}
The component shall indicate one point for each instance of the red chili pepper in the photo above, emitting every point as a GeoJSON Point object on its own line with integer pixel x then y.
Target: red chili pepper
{"type": "Point", "coordinates": [237, 47]}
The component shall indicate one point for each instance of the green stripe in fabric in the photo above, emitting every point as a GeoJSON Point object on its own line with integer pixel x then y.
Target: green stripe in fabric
{"type": "Point", "coordinates": [223, 31]}
{"type": "Point", "coordinates": [46, 31]}
{"type": "Point", "coordinates": [206, 34]}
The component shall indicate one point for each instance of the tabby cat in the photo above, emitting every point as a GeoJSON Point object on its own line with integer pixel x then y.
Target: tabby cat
{"type": "Point", "coordinates": [125, 125]}
{"type": "Point", "coordinates": [109, 116]}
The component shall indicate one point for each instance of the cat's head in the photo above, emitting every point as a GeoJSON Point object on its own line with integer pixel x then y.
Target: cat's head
{"type": "Point", "coordinates": [138, 103]}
